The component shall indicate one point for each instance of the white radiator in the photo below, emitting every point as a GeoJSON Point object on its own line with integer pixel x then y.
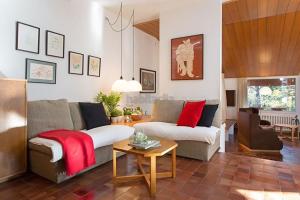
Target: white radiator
{"type": "Point", "coordinates": [277, 117]}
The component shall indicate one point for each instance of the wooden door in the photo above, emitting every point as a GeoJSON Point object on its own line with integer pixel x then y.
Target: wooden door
{"type": "Point", "coordinates": [13, 137]}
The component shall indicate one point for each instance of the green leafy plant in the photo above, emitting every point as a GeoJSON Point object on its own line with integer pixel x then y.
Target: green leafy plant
{"type": "Point", "coordinates": [110, 101]}
{"type": "Point", "coordinates": [127, 110]}
{"type": "Point", "coordinates": [116, 113]}
{"type": "Point", "coordinates": [137, 111]}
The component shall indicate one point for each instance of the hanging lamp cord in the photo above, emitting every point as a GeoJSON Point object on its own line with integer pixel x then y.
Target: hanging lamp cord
{"type": "Point", "coordinates": [111, 24]}
{"type": "Point", "coordinates": [133, 45]}
{"type": "Point", "coordinates": [121, 41]}
{"type": "Point", "coordinates": [122, 28]}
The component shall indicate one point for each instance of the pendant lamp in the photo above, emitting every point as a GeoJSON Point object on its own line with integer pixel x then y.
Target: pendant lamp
{"type": "Point", "coordinates": [133, 85]}
{"type": "Point", "coordinates": [121, 85]}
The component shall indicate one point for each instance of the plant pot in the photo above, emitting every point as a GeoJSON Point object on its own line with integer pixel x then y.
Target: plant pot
{"type": "Point", "coordinates": [118, 119]}
{"type": "Point", "coordinates": [127, 118]}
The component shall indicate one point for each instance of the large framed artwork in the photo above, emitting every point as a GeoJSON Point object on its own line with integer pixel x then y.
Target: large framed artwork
{"type": "Point", "coordinates": [187, 58]}
{"type": "Point", "coordinates": [55, 44]}
{"type": "Point", "coordinates": [94, 66]}
{"type": "Point", "coordinates": [38, 71]}
{"type": "Point", "coordinates": [148, 80]}
{"type": "Point", "coordinates": [27, 38]}
{"type": "Point", "coordinates": [76, 61]}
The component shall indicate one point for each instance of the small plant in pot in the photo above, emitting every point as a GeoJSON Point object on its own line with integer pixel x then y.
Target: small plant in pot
{"type": "Point", "coordinates": [111, 102]}
{"type": "Point", "coordinates": [116, 116]}
{"type": "Point", "coordinates": [137, 114]}
{"type": "Point", "coordinates": [127, 111]}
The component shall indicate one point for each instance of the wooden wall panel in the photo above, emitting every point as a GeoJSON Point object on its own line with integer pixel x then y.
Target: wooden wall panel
{"type": "Point", "coordinates": [13, 137]}
{"type": "Point", "coordinates": [263, 39]}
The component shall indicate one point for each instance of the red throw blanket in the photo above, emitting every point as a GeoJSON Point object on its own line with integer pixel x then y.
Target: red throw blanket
{"type": "Point", "coordinates": [78, 149]}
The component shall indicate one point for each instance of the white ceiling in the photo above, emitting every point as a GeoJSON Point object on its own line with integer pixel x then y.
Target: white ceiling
{"type": "Point", "coordinates": [145, 9]}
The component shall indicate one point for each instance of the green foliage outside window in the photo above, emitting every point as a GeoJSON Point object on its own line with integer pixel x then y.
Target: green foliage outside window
{"type": "Point", "coordinates": [280, 98]}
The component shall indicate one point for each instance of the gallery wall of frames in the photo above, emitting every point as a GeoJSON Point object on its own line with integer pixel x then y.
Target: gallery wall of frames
{"type": "Point", "coordinates": [42, 71]}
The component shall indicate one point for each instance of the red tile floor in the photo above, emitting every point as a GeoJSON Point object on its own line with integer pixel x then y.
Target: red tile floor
{"type": "Point", "coordinates": [226, 176]}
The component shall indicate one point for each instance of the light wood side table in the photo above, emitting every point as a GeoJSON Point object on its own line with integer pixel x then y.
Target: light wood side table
{"type": "Point", "coordinates": [150, 178]}
{"type": "Point", "coordinates": [146, 118]}
{"type": "Point", "coordinates": [293, 128]}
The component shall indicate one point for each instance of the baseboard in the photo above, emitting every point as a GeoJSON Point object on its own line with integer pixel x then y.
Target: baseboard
{"type": "Point", "coordinates": [259, 150]}
{"type": "Point", "coordinates": [16, 175]}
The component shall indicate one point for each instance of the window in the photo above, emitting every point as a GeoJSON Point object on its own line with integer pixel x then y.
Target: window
{"type": "Point", "coordinates": [272, 94]}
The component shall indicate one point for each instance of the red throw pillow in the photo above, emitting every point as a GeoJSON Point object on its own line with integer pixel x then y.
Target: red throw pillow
{"type": "Point", "coordinates": [191, 114]}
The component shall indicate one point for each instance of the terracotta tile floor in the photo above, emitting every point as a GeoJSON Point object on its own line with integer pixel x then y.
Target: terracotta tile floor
{"type": "Point", "coordinates": [226, 176]}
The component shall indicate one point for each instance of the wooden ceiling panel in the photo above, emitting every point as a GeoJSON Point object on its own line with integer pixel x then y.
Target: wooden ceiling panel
{"type": "Point", "coordinates": [243, 10]}
{"type": "Point", "coordinates": [255, 45]}
{"type": "Point", "coordinates": [150, 27]}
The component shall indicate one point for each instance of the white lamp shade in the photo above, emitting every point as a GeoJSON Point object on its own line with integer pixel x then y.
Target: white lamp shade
{"type": "Point", "coordinates": [120, 85]}
{"type": "Point", "coordinates": [134, 86]}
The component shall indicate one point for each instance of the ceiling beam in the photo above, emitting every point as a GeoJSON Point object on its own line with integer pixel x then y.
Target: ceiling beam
{"type": "Point", "coordinates": [149, 27]}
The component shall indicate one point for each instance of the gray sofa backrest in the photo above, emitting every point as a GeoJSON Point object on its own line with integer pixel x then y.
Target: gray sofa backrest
{"type": "Point", "coordinates": [169, 111]}
{"type": "Point", "coordinates": [78, 121]}
{"type": "Point", "coordinates": [166, 110]}
{"type": "Point", "coordinates": [45, 115]}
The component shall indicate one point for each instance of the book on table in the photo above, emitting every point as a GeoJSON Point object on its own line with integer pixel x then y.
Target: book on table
{"type": "Point", "coordinates": [146, 144]}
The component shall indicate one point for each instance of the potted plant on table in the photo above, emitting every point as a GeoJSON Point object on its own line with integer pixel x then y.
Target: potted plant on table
{"type": "Point", "coordinates": [137, 114]}
{"type": "Point", "coordinates": [127, 111]}
{"type": "Point", "coordinates": [116, 116]}
{"type": "Point", "coordinates": [111, 102]}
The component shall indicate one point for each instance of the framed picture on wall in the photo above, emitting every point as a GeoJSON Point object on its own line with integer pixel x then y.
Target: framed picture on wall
{"type": "Point", "coordinates": [76, 61]}
{"type": "Point", "coordinates": [148, 80]}
{"type": "Point", "coordinates": [94, 66]}
{"type": "Point", "coordinates": [27, 38]}
{"type": "Point", "coordinates": [187, 58]}
{"type": "Point", "coordinates": [55, 44]}
{"type": "Point", "coordinates": [230, 97]}
{"type": "Point", "coordinates": [38, 71]}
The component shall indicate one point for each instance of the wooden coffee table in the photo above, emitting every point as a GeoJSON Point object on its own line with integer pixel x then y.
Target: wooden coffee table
{"type": "Point", "coordinates": [150, 178]}
{"type": "Point", "coordinates": [293, 128]}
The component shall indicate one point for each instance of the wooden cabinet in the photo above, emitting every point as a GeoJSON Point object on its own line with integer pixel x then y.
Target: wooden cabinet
{"type": "Point", "coordinates": [13, 137]}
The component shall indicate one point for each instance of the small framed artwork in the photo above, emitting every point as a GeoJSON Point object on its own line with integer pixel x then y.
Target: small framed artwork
{"type": "Point", "coordinates": [148, 80]}
{"type": "Point", "coordinates": [27, 38]}
{"type": "Point", "coordinates": [76, 61]}
{"type": "Point", "coordinates": [230, 97]}
{"type": "Point", "coordinates": [38, 71]}
{"type": "Point", "coordinates": [94, 66]}
{"type": "Point", "coordinates": [55, 44]}
{"type": "Point", "coordinates": [187, 58]}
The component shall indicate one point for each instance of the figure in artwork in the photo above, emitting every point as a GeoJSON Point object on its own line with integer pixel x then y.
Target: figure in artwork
{"type": "Point", "coordinates": [185, 58]}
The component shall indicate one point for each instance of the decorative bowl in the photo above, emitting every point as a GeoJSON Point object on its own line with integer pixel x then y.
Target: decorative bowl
{"type": "Point", "coordinates": [136, 117]}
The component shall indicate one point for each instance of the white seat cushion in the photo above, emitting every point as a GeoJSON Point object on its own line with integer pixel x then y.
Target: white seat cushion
{"type": "Point", "coordinates": [173, 132]}
{"type": "Point", "coordinates": [101, 136]}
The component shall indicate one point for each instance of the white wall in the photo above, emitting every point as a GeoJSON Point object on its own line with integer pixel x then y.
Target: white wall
{"type": "Point", "coordinates": [201, 17]}
{"type": "Point", "coordinates": [147, 49]}
{"type": "Point", "coordinates": [86, 31]}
